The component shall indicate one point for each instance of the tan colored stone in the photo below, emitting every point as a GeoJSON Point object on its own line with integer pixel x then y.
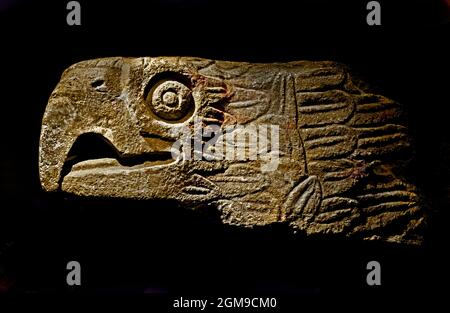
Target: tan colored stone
{"type": "Point", "coordinates": [342, 149]}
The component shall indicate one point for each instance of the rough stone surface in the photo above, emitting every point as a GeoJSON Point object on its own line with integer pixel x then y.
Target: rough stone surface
{"type": "Point", "coordinates": [343, 151]}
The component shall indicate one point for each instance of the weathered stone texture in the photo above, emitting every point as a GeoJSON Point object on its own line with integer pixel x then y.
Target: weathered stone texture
{"type": "Point", "coordinates": [343, 151]}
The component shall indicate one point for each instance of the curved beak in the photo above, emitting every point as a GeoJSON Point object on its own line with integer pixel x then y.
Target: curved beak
{"type": "Point", "coordinates": [91, 98]}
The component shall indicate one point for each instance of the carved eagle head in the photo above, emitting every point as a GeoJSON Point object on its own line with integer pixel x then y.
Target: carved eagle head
{"type": "Point", "coordinates": [299, 143]}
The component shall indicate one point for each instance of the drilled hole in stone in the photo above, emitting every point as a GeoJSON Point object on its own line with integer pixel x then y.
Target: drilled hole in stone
{"type": "Point", "coordinates": [97, 83]}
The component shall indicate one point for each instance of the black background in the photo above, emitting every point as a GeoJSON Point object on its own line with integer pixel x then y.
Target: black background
{"type": "Point", "coordinates": [157, 248]}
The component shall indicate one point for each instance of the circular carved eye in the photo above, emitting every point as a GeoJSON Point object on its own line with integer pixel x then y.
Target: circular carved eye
{"type": "Point", "coordinates": [170, 100]}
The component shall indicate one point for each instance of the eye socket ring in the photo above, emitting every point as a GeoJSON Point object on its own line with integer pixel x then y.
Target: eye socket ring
{"type": "Point", "coordinates": [170, 100]}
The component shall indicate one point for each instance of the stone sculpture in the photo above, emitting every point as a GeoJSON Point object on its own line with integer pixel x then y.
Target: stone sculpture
{"type": "Point", "coordinates": [338, 166]}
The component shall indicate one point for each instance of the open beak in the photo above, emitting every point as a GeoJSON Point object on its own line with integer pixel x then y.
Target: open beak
{"type": "Point", "coordinates": [90, 138]}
